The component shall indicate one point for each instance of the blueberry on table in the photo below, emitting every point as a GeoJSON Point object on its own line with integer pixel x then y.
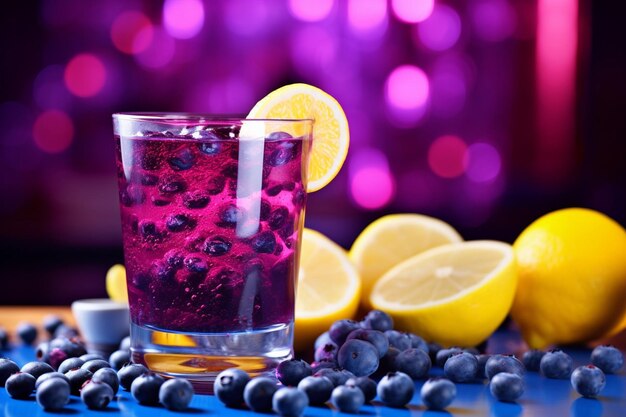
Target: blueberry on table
{"type": "Point", "coordinates": [176, 394]}
{"type": "Point", "coordinates": [347, 399]}
{"type": "Point", "coordinates": [69, 364]}
{"type": "Point", "coordinates": [503, 363]}
{"type": "Point", "coordinates": [65, 331]}
{"type": "Point", "coordinates": [375, 337]}
{"type": "Point", "coordinates": [20, 385]}
{"type": "Point", "coordinates": [95, 364]}
{"type": "Point", "coordinates": [27, 333]}
{"type": "Point", "coordinates": [438, 393]}
{"type": "Point", "coordinates": [398, 340]}
{"type": "Point", "coordinates": [125, 343]}
{"type": "Point", "coordinates": [340, 330]}
{"type": "Point", "coordinates": [292, 371]}
{"type": "Point", "coordinates": [365, 384]}
{"type": "Point", "coordinates": [326, 352]}
{"type": "Point", "coordinates": [482, 361]}
{"type": "Point", "coordinates": [145, 388]}
{"type": "Point", "coordinates": [418, 342]}
{"type": "Point", "coordinates": [556, 364]}
{"type": "Point", "coordinates": [462, 367]}
{"type": "Point", "coordinates": [433, 349]}
{"type": "Point", "coordinates": [36, 369]}
{"type": "Point", "coordinates": [289, 402]}
{"type": "Point", "coordinates": [70, 347]}
{"type": "Point", "coordinates": [77, 378]}
{"type": "Point", "coordinates": [119, 358]}
{"type": "Point", "coordinates": [129, 373]}
{"type": "Point", "coordinates": [378, 320]}
{"type": "Point", "coordinates": [444, 354]}
{"type": "Point", "coordinates": [107, 376]}
{"type": "Point", "coordinates": [90, 357]}
{"type": "Point", "coordinates": [51, 323]}
{"type": "Point", "coordinates": [229, 386]}
{"type": "Point", "coordinates": [337, 376]}
{"type": "Point", "coordinates": [96, 395]}
{"type": "Point", "coordinates": [608, 358]}
{"type": "Point", "coordinates": [395, 389]}
{"type": "Point", "coordinates": [532, 358]}
{"type": "Point", "coordinates": [323, 364]}
{"type": "Point", "coordinates": [7, 368]}
{"type": "Point", "coordinates": [414, 362]}
{"type": "Point", "coordinates": [317, 389]}
{"type": "Point", "coordinates": [588, 380]}
{"type": "Point", "coordinates": [322, 339]}
{"type": "Point", "coordinates": [387, 363]}
{"type": "Point", "coordinates": [258, 394]}
{"type": "Point", "coordinates": [53, 394]}
{"type": "Point", "coordinates": [506, 386]}
{"type": "Point", "coordinates": [49, 375]}
{"type": "Point", "coordinates": [358, 356]}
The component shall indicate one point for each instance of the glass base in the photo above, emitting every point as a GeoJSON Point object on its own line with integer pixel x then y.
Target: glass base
{"type": "Point", "coordinates": [200, 357]}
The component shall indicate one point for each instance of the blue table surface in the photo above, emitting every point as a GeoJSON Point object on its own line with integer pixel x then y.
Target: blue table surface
{"type": "Point", "coordinates": [542, 397]}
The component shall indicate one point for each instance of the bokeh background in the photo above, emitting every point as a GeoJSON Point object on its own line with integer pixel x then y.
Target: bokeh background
{"type": "Point", "coordinates": [485, 113]}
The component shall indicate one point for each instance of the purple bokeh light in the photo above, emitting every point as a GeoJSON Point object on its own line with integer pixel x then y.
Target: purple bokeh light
{"type": "Point", "coordinates": [367, 19]}
{"type": "Point", "coordinates": [132, 32]}
{"type": "Point", "coordinates": [247, 17]}
{"type": "Point", "coordinates": [311, 11]}
{"type": "Point", "coordinates": [313, 50]}
{"type": "Point", "coordinates": [412, 11]}
{"type": "Point", "coordinates": [183, 19]}
{"type": "Point", "coordinates": [449, 91]}
{"type": "Point", "coordinates": [159, 53]}
{"type": "Point", "coordinates": [493, 20]}
{"type": "Point", "coordinates": [441, 30]}
{"type": "Point", "coordinates": [49, 89]}
{"type": "Point", "coordinates": [483, 162]}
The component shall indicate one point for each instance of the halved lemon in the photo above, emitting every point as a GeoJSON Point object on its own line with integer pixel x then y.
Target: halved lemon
{"type": "Point", "coordinates": [392, 239]}
{"type": "Point", "coordinates": [329, 287]}
{"type": "Point", "coordinates": [455, 294]}
{"type": "Point", "coordinates": [116, 283]}
{"type": "Point", "coordinates": [331, 135]}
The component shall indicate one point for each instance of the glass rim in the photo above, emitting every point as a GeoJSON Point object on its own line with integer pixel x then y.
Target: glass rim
{"type": "Point", "coordinates": [196, 117]}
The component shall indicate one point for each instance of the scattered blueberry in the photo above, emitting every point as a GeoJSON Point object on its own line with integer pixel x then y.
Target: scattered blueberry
{"type": "Point", "coordinates": [49, 375]}
{"type": "Point", "coordinates": [179, 222]}
{"type": "Point", "coordinates": [182, 161]}
{"type": "Point", "coordinates": [588, 380]}
{"type": "Point", "coordinates": [129, 373]}
{"type": "Point", "coordinates": [7, 368]}
{"type": "Point", "coordinates": [70, 346]}
{"type": "Point", "coordinates": [176, 394]}
{"type": "Point", "coordinates": [277, 218]}
{"type": "Point", "coordinates": [347, 399]}
{"type": "Point", "coordinates": [418, 343]}
{"type": "Point", "coordinates": [340, 330]}
{"type": "Point", "coordinates": [482, 361]}
{"type": "Point", "coordinates": [506, 386]}
{"type": "Point", "coordinates": [95, 364]}
{"type": "Point", "coordinates": [77, 378]}
{"type": "Point", "coordinates": [291, 372]}
{"type": "Point", "coordinates": [55, 357]}
{"type": "Point", "coordinates": [326, 352]}
{"type": "Point", "coordinates": [387, 363]}
{"type": "Point", "coordinates": [462, 367]}
{"type": "Point", "coordinates": [264, 242]}
{"type": "Point", "coordinates": [317, 389]}
{"type": "Point", "coordinates": [216, 246]}
{"type": "Point", "coordinates": [196, 199]}
{"type": "Point", "coordinates": [172, 184]}
{"type": "Point", "coordinates": [358, 356]}
{"type": "Point", "coordinates": [258, 394]}
{"type": "Point", "coordinates": [36, 369]}
{"type": "Point", "coordinates": [556, 364]}
{"type": "Point", "coordinates": [414, 362]}
{"type": "Point", "coordinates": [145, 388]}
{"type": "Point", "coordinates": [27, 333]}
{"type": "Point", "coordinates": [433, 350]}
{"type": "Point", "coordinates": [69, 364]}
{"type": "Point", "coordinates": [289, 402]}
{"type": "Point", "coordinates": [96, 395]}
{"type": "Point", "coordinates": [474, 351]}
{"type": "Point", "coordinates": [504, 363]}
{"type": "Point", "coordinates": [229, 386]}
{"type": "Point", "coordinates": [378, 320]}
{"type": "Point", "coordinates": [125, 343]}
{"type": "Point", "coordinates": [65, 331]}
{"type": "Point", "coordinates": [444, 354]}
{"type": "Point", "coordinates": [399, 340]}
{"type": "Point", "coordinates": [322, 340]}
{"type": "Point", "coordinates": [365, 384]}
{"type": "Point", "coordinates": [438, 393]}
{"type": "Point", "coordinates": [51, 323]}
{"type": "Point", "coordinates": [107, 376]}
{"type": "Point", "coordinates": [91, 356]}
{"type": "Point", "coordinates": [52, 394]}
{"type": "Point", "coordinates": [119, 358]}
{"type": "Point", "coordinates": [336, 375]}
{"type": "Point", "coordinates": [608, 358]}
{"type": "Point", "coordinates": [323, 364]}
{"type": "Point", "coordinates": [375, 337]}
{"type": "Point", "coordinates": [20, 385]}
{"type": "Point", "coordinates": [395, 389]}
{"type": "Point", "coordinates": [531, 359]}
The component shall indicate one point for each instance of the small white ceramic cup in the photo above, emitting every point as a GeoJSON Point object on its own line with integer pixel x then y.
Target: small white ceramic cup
{"type": "Point", "coordinates": [103, 323]}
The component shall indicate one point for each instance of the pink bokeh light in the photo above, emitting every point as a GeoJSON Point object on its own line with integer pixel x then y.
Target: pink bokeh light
{"type": "Point", "coordinates": [407, 88]}
{"type": "Point", "coordinates": [371, 184]}
{"type": "Point", "coordinates": [159, 53]}
{"type": "Point", "coordinates": [85, 75]}
{"type": "Point", "coordinates": [483, 162]}
{"type": "Point", "coordinates": [493, 20]}
{"type": "Point", "coordinates": [441, 30]}
{"type": "Point", "coordinates": [412, 11]}
{"type": "Point", "coordinates": [311, 10]}
{"type": "Point", "coordinates": [447, 156]}
{"type": "Point", "coordinates": [183, 19]}
{"type": "Point", "coordinates": [132, 32]}
{"type": "Point", "coordinates": [368, 16]}
{"type": "Point", "coordinates": [53, 131]}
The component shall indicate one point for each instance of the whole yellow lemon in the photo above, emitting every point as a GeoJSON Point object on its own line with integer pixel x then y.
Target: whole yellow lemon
{"type": "Point", "coordinates": [572, 277]}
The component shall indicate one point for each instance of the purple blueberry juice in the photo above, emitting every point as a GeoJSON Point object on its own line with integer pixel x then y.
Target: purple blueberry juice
{"type": "Point", "coordinates": [212, 213]}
